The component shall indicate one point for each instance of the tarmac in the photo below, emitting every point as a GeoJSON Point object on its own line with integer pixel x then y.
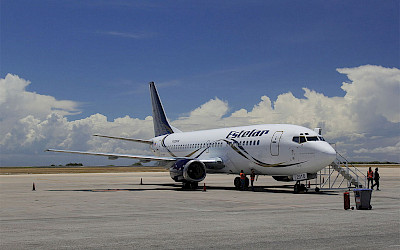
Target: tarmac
{"type": "Point", "coordinates": [95, 211]}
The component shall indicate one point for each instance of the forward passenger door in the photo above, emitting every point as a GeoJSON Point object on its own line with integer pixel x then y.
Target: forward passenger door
{"type": "Point", "coordinates": [275, 140]}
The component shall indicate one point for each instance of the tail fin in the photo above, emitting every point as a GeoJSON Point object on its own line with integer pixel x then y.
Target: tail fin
{"type": "Point", "coordinates": [160, 121]}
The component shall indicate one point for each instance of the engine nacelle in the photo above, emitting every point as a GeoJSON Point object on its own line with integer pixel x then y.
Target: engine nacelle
{"type": "Point", "coordinates": [188, 171]}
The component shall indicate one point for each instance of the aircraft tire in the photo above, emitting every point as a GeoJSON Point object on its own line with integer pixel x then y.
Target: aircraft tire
{"type": "Point", "coordinates": [296, 188]}
{"type": "Point", "coordinates": [237, 183]}
{"type": "Point", "coordinates": [194, 185]}
{"type": "Point", "coordinates": [303, 188]}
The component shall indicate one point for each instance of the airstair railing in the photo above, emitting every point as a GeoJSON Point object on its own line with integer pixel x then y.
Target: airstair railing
{"type": "Point", "coordinates": [327, 179]}
{"type": "Point", "coordinates": [359, 176]}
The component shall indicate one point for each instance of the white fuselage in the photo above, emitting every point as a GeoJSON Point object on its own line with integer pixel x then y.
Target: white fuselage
{"type": "Point", "coordinates": [269, 149]}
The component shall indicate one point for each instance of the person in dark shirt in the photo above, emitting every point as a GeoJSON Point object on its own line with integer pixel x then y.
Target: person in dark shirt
{"type": "Point", "coordinates": [376, 179]}
{"type": "Point", "coordinates": [252, 176]}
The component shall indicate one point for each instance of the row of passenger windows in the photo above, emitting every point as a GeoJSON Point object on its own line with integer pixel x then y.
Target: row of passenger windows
{"type": "Point", "coordinates": [302, 139]}
{"type": "Point", "coordinates": [247, 143]}
{"type": "Point", "coordinates": [214, 144]}
{"type": "Point", "coordinates": [196, 145]}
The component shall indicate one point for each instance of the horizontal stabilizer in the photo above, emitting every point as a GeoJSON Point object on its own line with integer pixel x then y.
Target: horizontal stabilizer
{"type": "Point", "coordinates": [126, 139]}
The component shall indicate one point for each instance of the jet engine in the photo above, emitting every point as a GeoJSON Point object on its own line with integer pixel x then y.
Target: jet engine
{"type": "Point", "coordinates": [188, 171]}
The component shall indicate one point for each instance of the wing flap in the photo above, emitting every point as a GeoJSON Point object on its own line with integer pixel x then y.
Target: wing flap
{"type": "Point", "coordinates": [126, 139]}
{"type": "Point", "coordinates": [115, 156]}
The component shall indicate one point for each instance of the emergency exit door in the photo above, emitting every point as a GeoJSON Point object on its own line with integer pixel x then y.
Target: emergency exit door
{"type": "Point", "coordinates": [276, 138]}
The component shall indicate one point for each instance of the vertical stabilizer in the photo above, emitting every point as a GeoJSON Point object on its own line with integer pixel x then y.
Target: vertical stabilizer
{"type": "Point", "coordinates": [160, 121]}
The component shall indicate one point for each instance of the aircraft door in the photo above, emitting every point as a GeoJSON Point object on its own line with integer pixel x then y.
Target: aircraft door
{"type": "Point", "coordinates": [274, 146]}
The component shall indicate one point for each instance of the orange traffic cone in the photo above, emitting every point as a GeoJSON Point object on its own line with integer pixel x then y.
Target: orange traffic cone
{"type": "Point", "coordinates": [33, 187]}
{"type": "Point", "coordinates": [204, 187]}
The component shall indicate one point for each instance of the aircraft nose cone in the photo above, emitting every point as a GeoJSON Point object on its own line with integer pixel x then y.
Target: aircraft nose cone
{"type": "Point", "coordinates": [328, 153]}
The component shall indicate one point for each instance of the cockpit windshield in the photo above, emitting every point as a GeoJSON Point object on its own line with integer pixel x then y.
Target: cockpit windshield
{"type": "Point", "coordinates": [302, 139]}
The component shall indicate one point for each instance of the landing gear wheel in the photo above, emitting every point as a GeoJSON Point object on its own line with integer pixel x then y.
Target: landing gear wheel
{"type": "Point", "coordinates": [194, 185]}
{"type": "Point", "coordinates": [303, 188]}
{"type": "Point", "coordinates": [237, 182]}
{"type": "Point", "coordinates": [299, 188]}
{"type": "Point", "coordinates": [296, 188]}
{"type": "Point", "coordinates": [190, 185]}
{"type": "Point", "coordinates": [317, 189]}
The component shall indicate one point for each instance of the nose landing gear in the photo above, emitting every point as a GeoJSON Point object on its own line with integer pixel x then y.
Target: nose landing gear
{"type": "Point", "coordinates": [299, 188]}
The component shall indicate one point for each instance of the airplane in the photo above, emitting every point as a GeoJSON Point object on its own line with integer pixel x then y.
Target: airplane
{"type": "Point", "coordinates": [284, 151]}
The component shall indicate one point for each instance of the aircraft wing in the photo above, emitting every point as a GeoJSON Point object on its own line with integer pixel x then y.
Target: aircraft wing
{"type": "Point", "coordinates": [127, 139]}
{"type": "Point", "coordinates": [115, 156]}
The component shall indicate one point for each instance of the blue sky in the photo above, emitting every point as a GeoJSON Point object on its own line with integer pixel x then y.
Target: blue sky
{"type": "Point", "coordinates": [102, 54]}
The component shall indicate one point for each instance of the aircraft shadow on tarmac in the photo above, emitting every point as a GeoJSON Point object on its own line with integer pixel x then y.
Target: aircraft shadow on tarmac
{"type": "Point", "coordinates": [176, 187]}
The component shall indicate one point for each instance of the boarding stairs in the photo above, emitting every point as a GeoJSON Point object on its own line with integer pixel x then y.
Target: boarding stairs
{"type": "Point", "coordinates": [340, 174]}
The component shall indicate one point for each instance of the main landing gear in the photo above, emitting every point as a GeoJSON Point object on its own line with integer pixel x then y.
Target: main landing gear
{"type": "Point", "coordinates": [299, 188]}
{"type": "Point", "coordinates": [238, 183]}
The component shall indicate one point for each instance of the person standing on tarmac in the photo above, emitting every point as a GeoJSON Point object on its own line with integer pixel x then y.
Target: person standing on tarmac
{"type": "Point", "coordinates": [242, 179]}
{"type": "Point", "coordinates": [370, 177]}
{"type": "Point", "coordinates": [252, 176]}
{"type": "Point", "coordinates": [376, 178]}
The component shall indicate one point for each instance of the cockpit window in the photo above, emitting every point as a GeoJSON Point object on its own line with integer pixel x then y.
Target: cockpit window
{"type": "Point", "coordinates": [303, 139]}
{"type": "Point", "coordinates": [299, 139]}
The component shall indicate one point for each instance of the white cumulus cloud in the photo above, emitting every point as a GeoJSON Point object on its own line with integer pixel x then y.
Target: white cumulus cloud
{"type": "Point", "coordinates": [364, 123]}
